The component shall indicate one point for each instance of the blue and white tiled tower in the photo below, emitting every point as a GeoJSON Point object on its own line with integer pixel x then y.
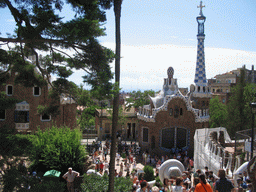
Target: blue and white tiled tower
{"type": "Point", "coordinates": [201, 85]}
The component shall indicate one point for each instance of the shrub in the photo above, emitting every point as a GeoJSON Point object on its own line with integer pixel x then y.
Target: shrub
{"type": "Point", "coordinates": [57, 148]}
{"type": "Point", "coordinates": [149, 173]}
{"type": "Point", "coordinates": [12, 148]}
{"type": "Point", "coordinates": [94, 183]}
{"type": "Point", "coordinates": [49, 186]}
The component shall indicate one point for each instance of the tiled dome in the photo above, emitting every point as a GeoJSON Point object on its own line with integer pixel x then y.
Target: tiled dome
{"type": "Point", "coordinates": [170, 72]}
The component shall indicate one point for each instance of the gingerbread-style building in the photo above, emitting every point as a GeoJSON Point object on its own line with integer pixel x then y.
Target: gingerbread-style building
{"type": "Point", "coordinates": [168, 124]}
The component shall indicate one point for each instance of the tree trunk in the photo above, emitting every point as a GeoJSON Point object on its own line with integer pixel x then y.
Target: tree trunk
{"type": "Point", "coordinates": [117, 11]}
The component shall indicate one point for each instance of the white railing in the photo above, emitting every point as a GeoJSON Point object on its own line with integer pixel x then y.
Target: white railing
{"type": "Point", "coordinates": [213, 156]}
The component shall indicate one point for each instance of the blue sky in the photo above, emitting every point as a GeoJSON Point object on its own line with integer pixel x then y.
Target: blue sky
{"type": "Point", "coordinates": [157, 34]}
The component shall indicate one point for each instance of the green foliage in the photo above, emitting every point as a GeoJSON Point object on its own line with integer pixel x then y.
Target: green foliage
{"type": "Point", "coordinates": [49, 110]}
{"type": "Point", "coordinates": [94, 183]}
{"type": "Point", "coordinates": [49, 186]}
{"type": "Point", "coordinates": [57, 148]}
{"type": "Point", "coordinates": [12, 178]}
{"type": "Point", "coordinates": [27, 75]}
{"type": "Point", "coordinates": [158, 181]}
{"type": "Point", "coordinates": [12, 147]}
{"type": "Point", "coordinates": [85, 115]}
{"type": "Point", "coordinates": [149, 173]}
{"type": "Point", "coordinates": [239, 111]}
{"type": "Point", "coordinates": [121, 117]}
{"type": "Point", "coordinates": [218, 113]}
{"type": "Point", "coordinates": [139, 98]}
{"type": "Point", "coordinates": [67, 45]}
{"type": "Point", "coordinates": [7, 102]}
{"type": "Point", "coordinates": [123, 155]}
{"type": "Point", "coordinates": [87, 118]}
{"type": "Point", "coordinates": [12, 144]}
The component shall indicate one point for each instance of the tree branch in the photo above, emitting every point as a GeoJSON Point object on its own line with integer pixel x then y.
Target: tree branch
{"type": "Point", "coordinates": [40, 68]}
{"type": "Point", "coordinates": [42, 40]}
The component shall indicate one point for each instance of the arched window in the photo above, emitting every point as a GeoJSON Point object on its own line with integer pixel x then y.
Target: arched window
{"type": "Point", "coordinates": [181, 111]}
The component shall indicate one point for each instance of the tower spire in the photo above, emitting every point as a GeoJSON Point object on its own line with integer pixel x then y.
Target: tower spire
{"type": "Point", "coordinates": [201, 6]}
{"type": "Point", "coordinates": [200, 76]}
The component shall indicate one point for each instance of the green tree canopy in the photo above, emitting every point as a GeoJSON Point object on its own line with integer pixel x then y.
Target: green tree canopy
{"type": "Point", "coordinates": [12, 144]}
{"type": "Point", "coordinates": [239, 111]}
{"type": "Point", "coordinates": [218, 113]}
{"type": "Point", "coordinates": [65, 44]}
{"type": "Point", "coordinates": [58, 149]}
{"type": "Point", "coordinates": [139, 98]}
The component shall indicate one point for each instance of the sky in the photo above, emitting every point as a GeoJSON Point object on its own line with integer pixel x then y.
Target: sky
{"type": "Point", "coordinates": [157, 34]}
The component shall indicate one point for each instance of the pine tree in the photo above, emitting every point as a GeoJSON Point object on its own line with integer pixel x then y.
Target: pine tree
{"type": "Point", "coordinates": [65, 44]}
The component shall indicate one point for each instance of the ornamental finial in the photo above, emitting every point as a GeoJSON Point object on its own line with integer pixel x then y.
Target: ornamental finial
{"type": "Point", "coordinates": [201, 7]}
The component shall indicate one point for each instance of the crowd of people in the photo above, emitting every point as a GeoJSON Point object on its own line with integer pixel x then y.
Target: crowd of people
{"type": "Point", "coordinates": [196, 182]}
{"type": "Point", "coordinates": [190, 181]}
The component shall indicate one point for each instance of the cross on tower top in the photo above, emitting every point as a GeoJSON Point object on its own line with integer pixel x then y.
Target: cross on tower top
{"type": "Point", "coordinates": [201, 7]}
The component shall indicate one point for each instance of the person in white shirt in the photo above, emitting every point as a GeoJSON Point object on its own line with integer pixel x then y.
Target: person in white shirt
{"type": "Point", "coordinates": [117, 158]}
{"type": "Point", "coordinates": [70, 177]}
{"type": "Point", "coordinates": [106, 165]}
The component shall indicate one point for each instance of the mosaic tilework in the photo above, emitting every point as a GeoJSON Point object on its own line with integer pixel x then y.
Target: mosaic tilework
{"type": "Point", "coordinates": [170, 72]}
{"type": "Point", "coordinates": [198, 115]}
{"type": "Point", "coordinates": [200, 76]}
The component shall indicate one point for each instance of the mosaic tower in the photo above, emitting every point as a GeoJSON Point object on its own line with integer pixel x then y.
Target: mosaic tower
{"type": "Point", "coordinates": [201, 85]}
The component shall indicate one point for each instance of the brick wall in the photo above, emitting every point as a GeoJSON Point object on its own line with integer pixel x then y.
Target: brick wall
{"type": "Point", "coordinates": [164, 120]}
{"type": "Point", "coordinates": [67, 114]}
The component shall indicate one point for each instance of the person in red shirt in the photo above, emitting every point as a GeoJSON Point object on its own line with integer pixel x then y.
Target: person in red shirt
{"type": "Point", "coordinates": [203, 186]}
{"type": "Point", "coordinates": [101, 166]}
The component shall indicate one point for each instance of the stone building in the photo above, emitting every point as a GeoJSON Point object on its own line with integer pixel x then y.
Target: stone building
{"type": "Point", "coordinates": [24, 116]}
{"type": "Point", "coordinates": [222, 84]}
{"type": "Point", "coordinates": [168, 124]}
{"type": "Point", "coordinates": [127, 126]}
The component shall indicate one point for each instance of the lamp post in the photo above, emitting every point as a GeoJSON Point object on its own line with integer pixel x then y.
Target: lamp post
{"type": "Point", "coordinates": [253, 107]}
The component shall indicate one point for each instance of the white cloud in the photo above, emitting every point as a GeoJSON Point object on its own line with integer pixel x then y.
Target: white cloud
{"type": "Point", "coordinates": [144, 67]}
